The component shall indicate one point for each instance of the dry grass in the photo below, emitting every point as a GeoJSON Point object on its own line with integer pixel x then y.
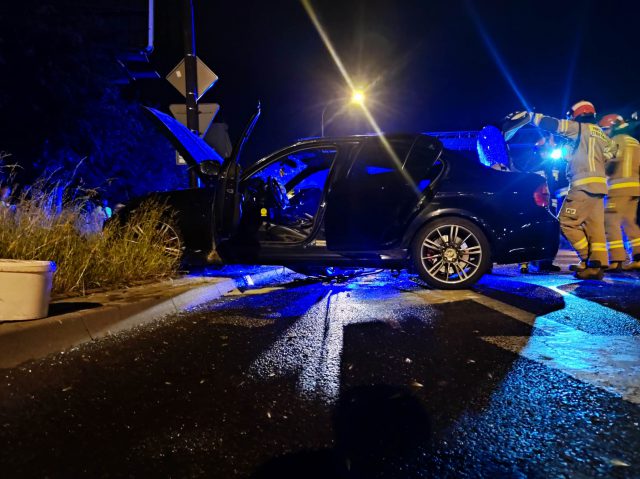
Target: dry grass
{"type": "Point", "coordinates": [120, 255]}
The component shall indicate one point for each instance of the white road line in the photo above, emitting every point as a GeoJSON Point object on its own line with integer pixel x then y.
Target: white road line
{"type": "Point", "coordinates": [611, 363]}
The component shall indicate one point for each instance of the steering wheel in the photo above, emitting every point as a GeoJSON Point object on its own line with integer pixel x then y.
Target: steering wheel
{"type": "Point", "coordinates": [277, 192]}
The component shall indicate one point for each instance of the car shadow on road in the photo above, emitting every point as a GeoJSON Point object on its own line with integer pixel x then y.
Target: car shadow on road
{"type": "Point", "coordinates": [621, 294]}
{"type": "Point", "coordinates": [377, 429]}
{"type": "Point", "coordinates": [404, 384]}
{"type": "Point", "coordinates": [533, 298]}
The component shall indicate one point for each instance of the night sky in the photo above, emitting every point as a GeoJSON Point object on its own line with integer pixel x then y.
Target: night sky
{"type": "Point", "coordinates": [431, 67]}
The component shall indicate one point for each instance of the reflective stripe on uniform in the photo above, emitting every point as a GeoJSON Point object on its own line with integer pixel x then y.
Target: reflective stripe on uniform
{"type": "Point", "coordinates": [582, 244]}
{"type": "Point", "coordinates": [563, 127]}
{"type": "Point", "coordinates": [635, 242]}
{"type": "Point", "coordinates": [537, 118]}
{"type": "Point", "coordinates": [616, 244]}
{"type": "Point", "coordinates": [628, 184]}
{"type": "Point", "coordinates": [589, 179]}
{"type": "Point", "coordinates": [592, 151]}
{"type": "Point", "coordinates": [598, 247]}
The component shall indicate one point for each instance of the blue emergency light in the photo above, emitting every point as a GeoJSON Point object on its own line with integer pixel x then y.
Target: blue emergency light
{"type": "Point", "coordinates": [556, 154]}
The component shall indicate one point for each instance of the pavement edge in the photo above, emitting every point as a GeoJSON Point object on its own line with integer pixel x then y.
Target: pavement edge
{"type": "Point", "coordinates": [28, 340]}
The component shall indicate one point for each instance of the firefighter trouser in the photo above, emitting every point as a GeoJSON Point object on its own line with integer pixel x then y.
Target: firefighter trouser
{"type": "Point", "coordinates": [621, 213]}
{"type": "Point", "coordinates": [582, 223]}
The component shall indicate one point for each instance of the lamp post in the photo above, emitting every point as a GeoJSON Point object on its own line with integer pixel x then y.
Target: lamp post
{"type": "Point", "coordinates": [357, 98]}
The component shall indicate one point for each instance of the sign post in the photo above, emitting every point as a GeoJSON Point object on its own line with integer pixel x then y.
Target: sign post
{"type": "Point", "coordinates": [191, 76]}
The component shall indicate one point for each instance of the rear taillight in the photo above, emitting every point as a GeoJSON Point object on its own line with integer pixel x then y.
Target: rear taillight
{"type": "Point", "coordinates": [541, 195]}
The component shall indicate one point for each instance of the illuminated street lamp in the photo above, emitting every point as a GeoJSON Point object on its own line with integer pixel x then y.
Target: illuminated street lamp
{"type": "Point", "coordinates": [357, 98]}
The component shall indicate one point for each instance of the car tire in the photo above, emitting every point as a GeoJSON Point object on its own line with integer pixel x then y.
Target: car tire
{"type": "Point", "coordinates": [450, 253]}
{"type": "Point", "coordinates": [167, 236]}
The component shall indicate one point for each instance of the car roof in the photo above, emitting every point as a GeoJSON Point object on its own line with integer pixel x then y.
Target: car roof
{"type": "Point", "coordinates": [332, 140]}
{"type": "Point", "coordinates": [350, 138]}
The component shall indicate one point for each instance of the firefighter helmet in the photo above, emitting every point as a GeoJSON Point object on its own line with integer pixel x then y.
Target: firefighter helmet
{"type": "Point", "coordinates": [611, 120]}
{"type": "Point", "coordinates": [582, 108]}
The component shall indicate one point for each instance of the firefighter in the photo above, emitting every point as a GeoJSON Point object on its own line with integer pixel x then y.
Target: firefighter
{"type": "Point", "coordinates": [624, 190]}
{"type": "Point", "coordinates": [582, 214]}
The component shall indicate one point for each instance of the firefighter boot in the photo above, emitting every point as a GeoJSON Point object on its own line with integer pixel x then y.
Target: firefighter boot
{"type": "Point", "coordinates": [631, 266]}
{"type": "Point", "coordinates": [615, 267]}
{"type": "Point", "coordinates": [581, 266]}
{"type": "Point", "coordinates": [590, 273]}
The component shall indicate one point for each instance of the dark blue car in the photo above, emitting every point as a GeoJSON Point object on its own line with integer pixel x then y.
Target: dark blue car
{"type": "Point", "coordinates": [397, 201]}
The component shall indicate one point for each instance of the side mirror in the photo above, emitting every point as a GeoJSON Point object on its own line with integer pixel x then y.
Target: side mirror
{"type": "Point", "coordinates": [209, 167]}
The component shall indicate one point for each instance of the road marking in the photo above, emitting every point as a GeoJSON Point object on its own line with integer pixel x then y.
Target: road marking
{"type": "Point", "coordinates": [611, 363]}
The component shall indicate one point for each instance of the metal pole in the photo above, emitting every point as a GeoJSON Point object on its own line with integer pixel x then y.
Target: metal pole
{"type": "Point", "coordinates": [190, 76]}
{"type": "Point", "coordinates": [151, 28]}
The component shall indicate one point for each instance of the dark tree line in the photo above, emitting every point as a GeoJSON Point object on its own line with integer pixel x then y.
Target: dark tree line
{"type": "Point", "coordinates": [65, 104]}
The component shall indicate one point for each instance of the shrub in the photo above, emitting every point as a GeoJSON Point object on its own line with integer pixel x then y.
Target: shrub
{"type": "Point", "coordinates": [45, 226]}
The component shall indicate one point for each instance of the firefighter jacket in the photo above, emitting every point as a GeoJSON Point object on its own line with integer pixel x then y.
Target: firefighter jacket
{"type": "Point", "coordinates": [592, 148]}
{"type": "Point", "coordinates": [624, 169]}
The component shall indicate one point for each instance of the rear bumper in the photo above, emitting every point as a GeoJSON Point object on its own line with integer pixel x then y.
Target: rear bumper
{"type": "Point", "coordinates": [531, 241]}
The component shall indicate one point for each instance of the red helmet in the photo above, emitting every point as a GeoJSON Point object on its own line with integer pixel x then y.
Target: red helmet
{"type": "Point", "coordinates": [582, 108]}
{"type": "Point", "coordinates": [611, 120]}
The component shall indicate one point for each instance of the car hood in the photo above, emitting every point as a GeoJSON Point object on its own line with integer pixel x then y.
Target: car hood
{"type": "Point", "coordinates": [192, 148]}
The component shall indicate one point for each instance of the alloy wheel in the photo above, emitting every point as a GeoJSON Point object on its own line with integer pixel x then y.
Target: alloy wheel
{"type": "Point", "coordinates": [451, 253]}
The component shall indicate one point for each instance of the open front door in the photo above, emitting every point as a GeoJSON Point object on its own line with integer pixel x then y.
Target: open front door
{"type": "Point", "coordinates": [226, 205]}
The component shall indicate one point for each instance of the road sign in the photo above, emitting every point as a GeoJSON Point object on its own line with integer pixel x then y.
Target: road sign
{"type": "Point", "coordinates": [206, 113]}
{"type": "Point", "coordinates": [206, 78]}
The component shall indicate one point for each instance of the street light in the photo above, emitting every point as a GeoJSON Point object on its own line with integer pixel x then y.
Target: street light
{"type": "Point", "coordinates": [357, 98]}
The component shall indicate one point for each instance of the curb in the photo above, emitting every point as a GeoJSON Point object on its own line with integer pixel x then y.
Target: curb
{"type": "Point", "coordinates": [22, 341]}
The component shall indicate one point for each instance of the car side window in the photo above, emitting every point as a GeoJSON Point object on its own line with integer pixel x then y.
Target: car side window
{"type": "Point", "coordinates": [423, 164]}
{"type": "Point", "coordinates": [296, 168]}
{"type": "Point", "coordinates": [375, 161]}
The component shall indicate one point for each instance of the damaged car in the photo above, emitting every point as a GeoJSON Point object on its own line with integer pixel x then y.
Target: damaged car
{"type": "Point", "coordinates": [366, 201]}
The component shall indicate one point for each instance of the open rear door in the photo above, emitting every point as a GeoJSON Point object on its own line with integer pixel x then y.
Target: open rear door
{"type": "Point", "coordinates": [226, 206]}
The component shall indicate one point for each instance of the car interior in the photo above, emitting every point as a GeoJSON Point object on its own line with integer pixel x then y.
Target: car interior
{"type": "Point", "coordinates": [281, 201]}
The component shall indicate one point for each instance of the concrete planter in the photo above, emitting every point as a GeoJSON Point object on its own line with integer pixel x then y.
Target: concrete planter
{"type": "Point", "coordinates": [25, 289]}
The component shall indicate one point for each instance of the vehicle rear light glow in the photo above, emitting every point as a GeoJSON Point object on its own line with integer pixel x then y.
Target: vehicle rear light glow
{"type": "Point", "coordinates": [541, 195]}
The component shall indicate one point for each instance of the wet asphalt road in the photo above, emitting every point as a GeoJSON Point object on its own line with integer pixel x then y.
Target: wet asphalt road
{"type": "Point", "coordinates": [525, 376]}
